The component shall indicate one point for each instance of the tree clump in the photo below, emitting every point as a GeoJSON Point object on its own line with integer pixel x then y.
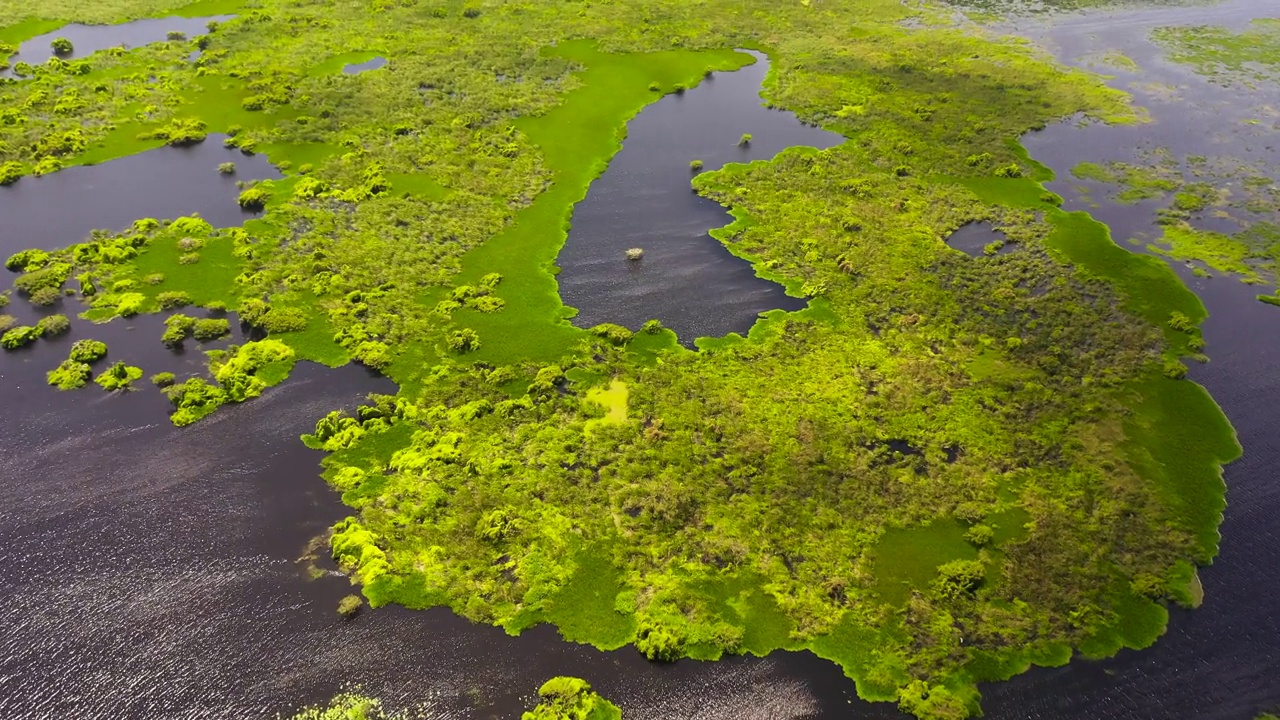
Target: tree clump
{"type": "Point", "coordinates": [88, 351]}
{"type": "Point", "coordinates": [61, 46]}
{"type": "Point", "coordinates": [19, 337]}
{"type": "Point", "coordinates": [52, 325]}
{"type": "Point", "coordinates": [70, 375]}
{"type": "Point", "coordinates": [570, 698]}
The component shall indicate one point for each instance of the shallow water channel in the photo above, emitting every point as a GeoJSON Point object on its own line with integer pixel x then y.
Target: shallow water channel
{"type": "Point", "coordinates": [686, 278]}
{"type": "Point", "coordinates": [61, 208]}
{"type": "Point", "coordinates": [149, 573]}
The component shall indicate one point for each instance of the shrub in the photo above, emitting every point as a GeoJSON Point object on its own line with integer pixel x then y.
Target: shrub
{"type": "Point", "coordinates": [176, 329]}
{"type": "Point", "coordinates": [193, 400]}
{"type": "Point", "coordinates": [88, 351]}
{"type": "Point", "coordinates": [227, 168]}
{"type": "Point", "coordinates": [958, 577]}
{"type": "Point", "coordinates": [20, 336]}
{"type": "Point", "coordinates": [11, 172]}
{"type": "Point", "coordinates": [6, 322]}
{"type": "Point", "coordinates": [282, 320]}
{"type": "Point", "coordinates": [349, 606]}
{"type": "Point", "coordinates": [486, 304]}
{"type": "Point", "coordinates": [173, 300]}
{"type": "Point", "coordinates": [46, 296]}
{"type": "Point", "coordinates": [980, 535]}
{"type": "Point", "coordinates": [1180, 322]}
{"type": "Point", "coordinates": [118, 376]}
{"type": "Point", "coordinates": [210, 329]}
{"type": "Point", "coordinates": [53, 325]}
{"type": "Point", "coordinates": [154, 279]}
{"type": "Point", "coordinates": [27, 260]}
{"type": "Point", "coordinates": [615, 334]}
{"type": "Point", "coordinates": [373, 354]}
{"type": "Point", "coordinates": [655, 87]}
{"type": "Point", "coordinates": [1012, 170]}
{"type": "Point", "coordinates": [745, 140]}
{"type": "Point", "coordinates": [176, 35]}
{"type": "Point", "coordinates": [652, 327]}
{"type": "Point", "coordinates": [1174, 370]}
{"type": "Point", "coordinates": [659, 643]}
{"type": "Point", "coordinates": [70, 375]}
{"type": "Point", "coordinates": [61, 46]}
{"type": "Point", "coordinates": [463, 341]}
{"type": "Point", "coordinates": [695, 165]}
{"type": "Point", "coordinates": [163, 379]}
{"type": "Point", "coordinates": [491, 280]}
{"type": "Point", "coordinates": [255, 198]}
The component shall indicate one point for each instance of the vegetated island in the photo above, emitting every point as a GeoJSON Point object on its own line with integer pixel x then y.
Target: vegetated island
{"type": "Point", "coordinates": [942, 471]}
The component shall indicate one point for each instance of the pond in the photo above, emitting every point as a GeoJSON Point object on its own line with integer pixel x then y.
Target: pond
{"type": "Point", "coordinates": [686, 278]}
{"type": "Point", "coordinates": [62, 208]}
{"type": "Point", "coordinates": [357, 68]}
{"type": "Point", "coordinates": [88, 39]}
{"type": "Point", "coordinates": [974, 239]}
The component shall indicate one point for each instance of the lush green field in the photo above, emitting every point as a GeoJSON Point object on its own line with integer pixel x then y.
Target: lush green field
{"type": "Point", "coordinates": [945, 470]}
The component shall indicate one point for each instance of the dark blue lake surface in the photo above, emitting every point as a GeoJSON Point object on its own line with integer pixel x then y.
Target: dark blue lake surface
{"type": "Point", "coordinates": [686, 278]}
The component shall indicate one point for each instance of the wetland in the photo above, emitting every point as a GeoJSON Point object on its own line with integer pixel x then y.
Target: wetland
{"type": "Point", "coordinates": [399, 349]}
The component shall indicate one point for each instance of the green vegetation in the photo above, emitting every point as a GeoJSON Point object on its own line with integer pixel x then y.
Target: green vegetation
{"type": "Point", "coordinates": [347, 706]}
{"type": "Point", "coordinates": [88, 351]}
{"type": "Point", "coordinates": [943, 471]}
{"type": "Point", "coordinates": [19, 337]}
{"type": "Point", "coordinates": [70, 375]}
{"type": "Point", "coordinates": [61, 46]}
{"type": "Point", "coordinates": [52, 325]}
{"type": "Point", "coordinates": [118, 377]}
{"type": "Point", "coordinates": [1250, 57]}
{"type": "Point", "coordinates": [569, 698]}
{"type": "Point", "coordinates": [350, 605]}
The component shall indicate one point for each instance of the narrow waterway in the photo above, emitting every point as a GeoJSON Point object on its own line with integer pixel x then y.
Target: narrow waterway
{"type": "Point", "coordinates": [686, 278]}
{"type": "Point", "coordinates": [88, 39]}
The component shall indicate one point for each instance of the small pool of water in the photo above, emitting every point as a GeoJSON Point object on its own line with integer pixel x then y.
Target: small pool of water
{"type": "Point", "coordinates": [686, 278]}
{"type": "Point", "coordinates": [88, 39]}
{"type": "Point", "coordinates": [62, 208]}
{"type": "Point", "coordinates": [973, 239]}
{"type": "Point", "coordinates": [357, 68]}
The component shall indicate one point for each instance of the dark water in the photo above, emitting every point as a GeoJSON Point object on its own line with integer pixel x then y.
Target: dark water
{"type": "Point", "coordinates": [972, 239]}
{"type": "Point", "coordinates": [149, 573]}
{"type": "Point", "coordinates": [686, 279]}
{"type": "Point", "coordinates": [88, 39]}
{"type": "Point", "coordinates": [365, 66]}
{"type": "Point", "coordinates": [61, 208]}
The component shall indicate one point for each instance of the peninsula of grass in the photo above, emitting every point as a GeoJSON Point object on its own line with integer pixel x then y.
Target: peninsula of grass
{"type": "Point", "coordinates": [943, 471]}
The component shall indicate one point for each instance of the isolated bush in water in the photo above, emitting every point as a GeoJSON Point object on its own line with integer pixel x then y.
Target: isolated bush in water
{"type": "Point", "coordinates": [61, 46]}
{"type": "Point", "coordinates": [210, 329]}
{"type": "Point", "coordinates": [255, 198]}
{"type": "Point", "coordinates": [176, 329]}
{"type": "Point", "coordinates": [20, 336]}
{"type": "Point", "coordinates": [70, 375]}
{"type": "Point", "coordinates": [53, 325]}
{"type": "Point", "coordinates": [570, 698]}
{"type": "Point", "coordinates": [163, 379]}
{"type": "Point", "coordinates": [88, 351]}
{"type": "Point", "coordinates": [118, 377]}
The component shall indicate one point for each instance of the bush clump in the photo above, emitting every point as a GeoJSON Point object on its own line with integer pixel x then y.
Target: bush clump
{"type": "Point", "coordinates": [561, 698]}
{"type": "Point", "coordinates": [463, 341]}
{"type": "Point", "coordinates": [254, 198]}
{"type": "Point", "coordinates": [659, 643]}
{"type": "Point", "coordinates": [282, 320]}
{"type": "Point", "coordinates": [70, 375]}
{"type": "Point", "coordinates": [615, 334]}
{"type": "Point", "coordinates": [227, 168]}
{"type": "Point", "coordinates": [163, 379]}
{"type": "Point", "coordinates": [958, 577]}
{"type": "Point", "coordinates": [210, 329]}
{"type": "Point", "coordinates": [18, 337]}
{"type": "Point", "coordinates": [61, 46]}
{"type": "Point", "coordinates": [1174, 370]}
{"type": "Point", "coordinates": [349, 606]}
{"type": "Point", "coordinates": [118, 377]}
{"type": "Point", "coordinates": [173, 300]}
{"type": "Point", "coordinates": [53, 325]}
{"type": "Point", "coordinates": [88, 351]}
{"type": "Point", "coordinates": [177, 328]}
